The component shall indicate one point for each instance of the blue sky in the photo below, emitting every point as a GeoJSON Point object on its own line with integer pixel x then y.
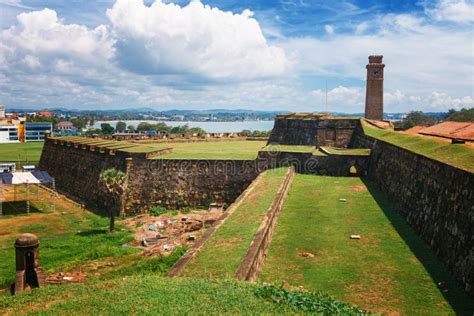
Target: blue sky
{"type": "Point", "coordinates": [261, 55]}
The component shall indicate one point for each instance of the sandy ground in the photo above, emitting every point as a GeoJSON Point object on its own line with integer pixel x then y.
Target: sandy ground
{"type": "Point", "coordinates": [161, 234]}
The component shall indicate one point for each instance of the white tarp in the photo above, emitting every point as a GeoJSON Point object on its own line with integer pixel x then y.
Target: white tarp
{"type": "Point", "coordinates": [24, 177]}
{"type": "Point", "coordinates": [33, 177]}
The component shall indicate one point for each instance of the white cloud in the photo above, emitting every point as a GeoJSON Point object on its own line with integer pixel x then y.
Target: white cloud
{"type": "Point", "coordinates": [361, 27]}
{"type": "Point", "coordinates": [196, 57]}
{"type": "Point", "coordinates": [460, 11]}
{"type": "Point", "coordinates": [39, 38]}
{"type": "Point", "coordinates": [420, 57]}
{"type": "Point", "coordinates": [31, 61]}
{"type": "Point", "coordinates": [195, 39]}
{"type": "Point", "coordinates": [329, 29]}
{"type": "Point", "coordinates": [442, 100]}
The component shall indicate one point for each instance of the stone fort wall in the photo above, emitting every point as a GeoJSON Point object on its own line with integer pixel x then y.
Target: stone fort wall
{"type": "Point", "coordinates": [175, 183]}
{"type": "Point", "coordinates": [436, 199]}
{"type": "Point", "coordinates": [307, 163]}
{"type": "Point", "coordinates": [168, 182]}
{"type": "Point", "coordinates": [324, 131]}
{"type": "Point", "coordinates": [76, 169]}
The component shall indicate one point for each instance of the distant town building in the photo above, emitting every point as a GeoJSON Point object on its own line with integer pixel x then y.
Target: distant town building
{"type": "Point", "coordinates": [8, 133]}
{"type": "Point", "coordinates": [177, 118]}
{"type": "Point", "coordinates": [2, 112]}
{"type": "Point", "coordinates": [36, 131]}
{"type": "Point", "coordinates": [45, 114]}
{"type": "Point", "coordinates": [64, 126]}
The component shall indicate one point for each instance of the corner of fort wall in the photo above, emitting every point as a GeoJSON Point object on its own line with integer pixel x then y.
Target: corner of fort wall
{"type": "Point", "coordinates": [435, 198]}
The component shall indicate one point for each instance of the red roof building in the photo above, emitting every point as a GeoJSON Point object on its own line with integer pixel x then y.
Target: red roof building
{"type": "Point", "coordinates": [452, 130]}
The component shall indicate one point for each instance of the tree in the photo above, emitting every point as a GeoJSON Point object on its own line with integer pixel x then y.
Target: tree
{"type": "Point", "coordinates": [131, 127]}
{"type": "Point", "coordinates": [79, 123]}
{"type": "Point", "coordinates": [463, 115]}
{"type": "Point", "coordinates": [246, 133]}
{"type": "Point", "coordinates": [115, 183]}
{"type": "Point", "coordinates": [121, 126]}
{"type": "Point", "coordinates": [415, 118]}
{"type": "Point", "coordinates": [106, 128]}
{"type": "Point", "coordinates": [144, 126]}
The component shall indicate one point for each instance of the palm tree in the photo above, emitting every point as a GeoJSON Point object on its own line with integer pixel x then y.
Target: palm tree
{"type": "Point", "coordinates": [115, 183]}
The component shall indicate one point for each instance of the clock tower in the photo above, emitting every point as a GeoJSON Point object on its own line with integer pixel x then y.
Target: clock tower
{"type": "Point", "coordinates": [374, 91]}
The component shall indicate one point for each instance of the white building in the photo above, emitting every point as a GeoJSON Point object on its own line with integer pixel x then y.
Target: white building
{"type": "Point", "coordinates": [8, 133]}
{"type": "Point", "coordinates": [2, 112]}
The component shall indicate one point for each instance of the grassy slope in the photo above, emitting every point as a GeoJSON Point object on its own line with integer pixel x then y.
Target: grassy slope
{"type": "Point", "coordinates": [154, 295]}
{"type": "Point", "coordinates": [21, 151]}
{"type": "Point", "coordinates": [214, 150]}
{"type": "Point", "coordinates": [69, 237]}
{"type": "Point", "coordinates": [289, 148]}
{"type": "Point", "coordinates": [379, 272]}
{"type": "Point", "coordinates": [458, 155]}
{"type": "Point", "coordinates": [223, 252]}
{"type": "Point", "coordinates": [347, 151]}
{"type": "Point", "coordinates": [148, 294]}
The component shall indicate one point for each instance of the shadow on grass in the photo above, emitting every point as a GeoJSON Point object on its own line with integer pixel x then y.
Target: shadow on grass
{"type": "Point", "coordinates": [18, 208]}
{"type": "Point", "coordinates": [459, 300]}
{"type": "Point", "coordinates": [92, 232]}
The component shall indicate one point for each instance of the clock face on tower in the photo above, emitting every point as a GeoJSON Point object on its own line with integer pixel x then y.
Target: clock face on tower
{"type": "Point", "coordinates": [376, 72]}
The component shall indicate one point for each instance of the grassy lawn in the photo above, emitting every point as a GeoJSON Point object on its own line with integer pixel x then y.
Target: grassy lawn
{"type": "Point", "coordinates": [154, 295]}
{"type": "Point", "coordinates": [69, 236]}
{"type": "Point", "coordinates": [388, 270]}
{"type": "Point", "coordinates": [289, 148]}
{"type": "Point", "coordinates": [223, 252]}
{"type": "Point", "coordinates": [239, 149]}
{"type": "Point", "coordinates": [23, 152]}
{"type": "Point", "coordinates": [112, 144]}
{"type": "Point", "coordinates": [346, 151]}
{"type": "Point", "coordinates": [458, 155]}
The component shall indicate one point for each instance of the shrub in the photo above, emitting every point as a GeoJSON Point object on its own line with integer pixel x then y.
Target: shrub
{"type": "Point", "coordinates": [309, 302]}
{"type": "Point", "coordinates": [158, 210]}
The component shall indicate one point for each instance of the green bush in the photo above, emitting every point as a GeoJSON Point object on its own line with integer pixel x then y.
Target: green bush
{"type": "Point", "coordinates": [308, 302]}
{"type": "Point", "coordinates": [158, 210]}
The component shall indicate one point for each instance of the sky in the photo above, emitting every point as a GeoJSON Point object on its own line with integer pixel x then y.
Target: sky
{"type": "Point", "coordinates": [269, 55]}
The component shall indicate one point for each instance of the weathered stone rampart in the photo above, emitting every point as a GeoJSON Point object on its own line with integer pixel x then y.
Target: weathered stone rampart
{"type": "Point", "coordinates": [307, 163]}
{"type": "Point", "coordinates": [173, 183]}
{"type": "Point", "coordinates": [436, 199]}
{"type": "Point", "coordinates": [313, 130]}
{"type": "Point", "coordinates": [76, 168]}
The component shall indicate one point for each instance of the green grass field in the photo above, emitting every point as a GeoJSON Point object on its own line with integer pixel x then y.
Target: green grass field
{"type": "Point", "coordinates": [236, 149]}
{"type": "Point", "coordinates": [22, 152]}
{"type": "Point", "coordinates": [154, 295]}
{"type": "Point", "coordinates": [346, 151]}
{"type": "Point", "coordinates": [112, 144]}
{"type": "Point", "coordinates": [289, 148]}
{"type": "Point", "coordinates": [388, 270]}
{"type": "Point", "coordinates": [72, 237]}
{"type": "Point", "coordinates": [240, 150]}
{"type": "Point", "coordinates": [458, 155]}
{"type": "Point", "coordinates": [223, 252]}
